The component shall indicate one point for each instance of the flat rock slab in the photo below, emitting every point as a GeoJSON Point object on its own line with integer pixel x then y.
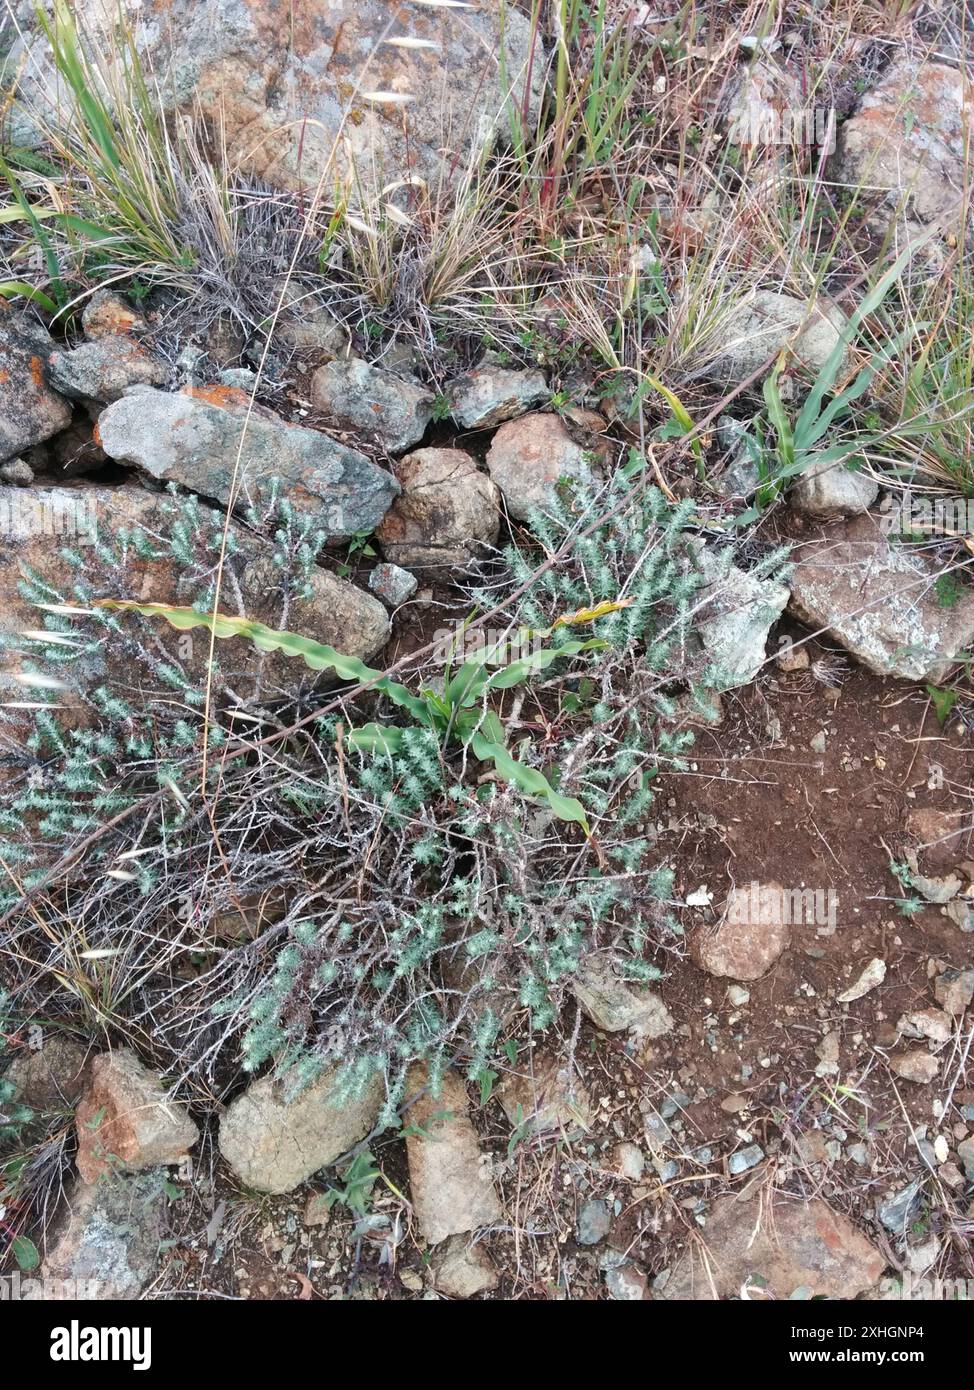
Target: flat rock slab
{"type": "Point", "coordinates": [616, 1004]}
{"type": "Point", "coordinates": [879, 601]}
{"type": "Point", "coordinates": [489, 395]}
{"type": "Point", "coordinates": [273, 1144]}
{"type": "Point", "coordinates": [30, 411]}
{"type": "Point", "coordinates": [450, 1181]}
{"type": "Point", "coordinates": [754, 931]}
{"type": "Point", "coordinates": [789, 1244]}
{"type": "Point", "coordinates": [193, 437]}
{"type": "Point", "coordinates": [126, 1122]}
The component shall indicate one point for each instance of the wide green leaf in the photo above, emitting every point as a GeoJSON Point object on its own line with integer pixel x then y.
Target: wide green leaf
{"type": "Point", "coordinates": [316, 655]}
{"type": "Point", "coordinates": [529, 780]}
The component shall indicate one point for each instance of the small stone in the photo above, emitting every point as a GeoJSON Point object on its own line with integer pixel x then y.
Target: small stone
{"type": "Point", "coordinates": [934, 1024]}
{"type": "Point", "coordinates": [393, 410]}
{"type": "Point", "coordinates": [53, 1077]}
{"type": "Point", "coordinates": [871, 978]}
{"type": "Point", "coordinates": [614, 1004]}
{"type": "Point", "coordinates": [793, 658]}
{"type": "Point", "coordinates": [951, 1175]}
{"type": "Point", "coordinates": [273, 1144]}
{"type": "Point", "coordinates": [304, 323]}
{"type": "Point", "coordinates": [734, 1104]}
{"type": "Point", "coordinates": [916, 1066]}
{"type": "Point", "coordinates": [317, 1211]}
{"type": "Point", "coordinates": [411, 1279]}
{"type": "Point", "coordinates": [594, 1222]}
{"type": "Point", "coordinates": [626, 1283]}
{"type": "Point", "coordinates": [529, 456]}
{"type": "Point", "coordinates": [965, 1152]}
{"type": "Point", "coordinates": [954, 990]}
{"type": "Point", "coordinates": [936, 890]}
{"type": "Point", "coordinates": [16, 473]}
{"type": "Point", "coordinates": [108, 315]}
{"type": "Point", "coordinates": [817, 743]}
{"type": "Point", "coordinates": [488, 396]}
{"type": "Point", "coordinates": [961, 911]}
{"type": "Point", "coordinates": [392, 584]}
{"type": "Point", "coordinates": [551, 1097]}
{"type": "Point", "coordinates": [828, 1054]}
{"type": "Point", "coordinates": [738, 996]}
{"type": "Point", "coordinates": [750, 937]}
{"type": "Point", "coordinates": [450, 1180]}
{"type": "Point", "coordinates": [462, 1270]}
{"type": "Point", "coordinates": [629, 1161]}
{"type": "Point", "coordinates": [447, 514]}
{"type": "Point", "coordinates": [898, 1211]}
{"type": "Point", "coordinates": [828, 489]}
{"type": "Point", "coordinates": [745, 1159]}
{"type": "Point", "coordinates": [859, 1154]}
{"type": "Point", "coordinates": [126, 1122]}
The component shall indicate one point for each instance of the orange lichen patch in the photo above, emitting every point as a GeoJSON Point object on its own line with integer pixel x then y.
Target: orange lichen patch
{"type": "Point", "coordinates": [223, 397]}
{"type": "Point", "coordinates": [4, 376]}
{"type": "Point", "coordinates": [37, 371]}
{"type": "Point", "coordinates": [95, 435]}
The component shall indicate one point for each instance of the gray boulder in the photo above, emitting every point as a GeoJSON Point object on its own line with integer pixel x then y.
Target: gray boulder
{"type": "Point", "coordinates": [193, 437]}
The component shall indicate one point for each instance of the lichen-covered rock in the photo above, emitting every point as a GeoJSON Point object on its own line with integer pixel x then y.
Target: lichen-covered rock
{"type": "Point", "coordinates": [450, 1180]}
{"type": "Point", "coordinates": [529, 456]}
{"type": "Point", "coordinates": [108, 315]}
{"type": "Point", "coordinates": [828, 489]}
{"type": "Point", "coordinates": [880, 602]}
{"type": "Point", "coordinates": [104, 369]}
{"type": "Point", "coordinates": [489, 395]}
{"type": "Point", "coordinates": [273, 1144]}
{"type": "Point", "coordinates": [392, 584]}
{"type": "Point", "coordinates": [304, 95]}
{"type": "Point", "coordinates": [393, 410]}
{"type": "Point", "coordinates": [789, 1244]}
{"type": "Point", "coordinates": [193, 437]}
{"type": "Point", "coordinates": [105, 1243]}
{"type": "Point", "coordinates": [737, 611]}
{"type": "Point", "coordinates": [447, 513]}
{"type": "Point", "coordinates": [30, 411]}
{"type": "Point", "coordinates": [910, 139]}
{"type": "Point", "coordinates": [765, 323]}
{"type": "Point", "coordinates": [126, 1122]}
{"type": "Point", "coordinates": [16, 473]}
